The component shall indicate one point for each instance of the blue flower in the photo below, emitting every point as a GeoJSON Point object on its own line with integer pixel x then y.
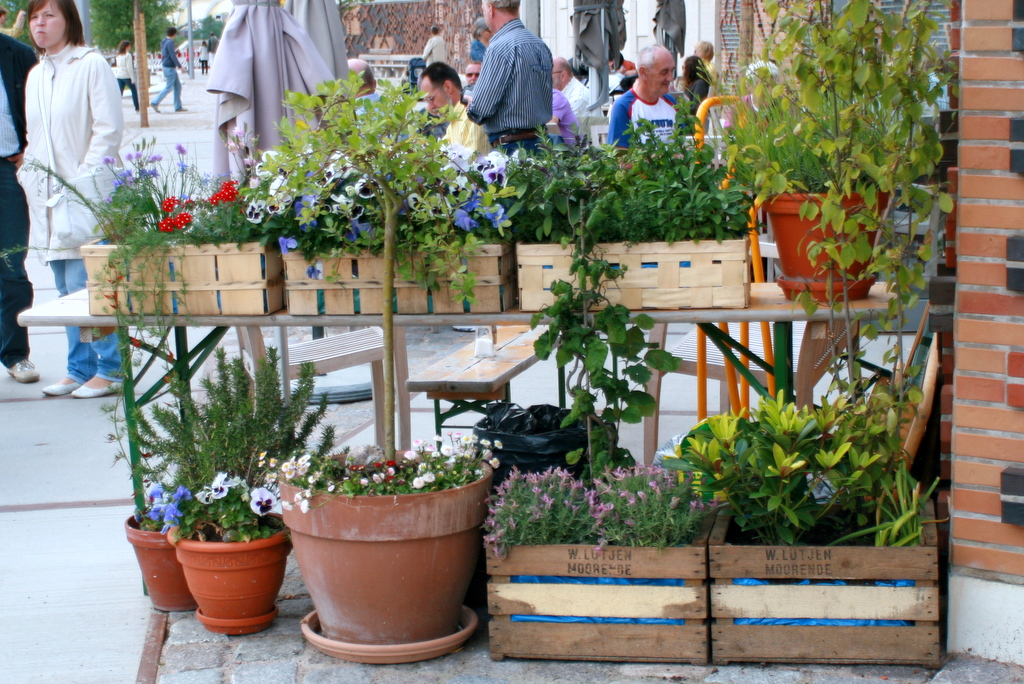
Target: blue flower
{"type": "Point", "coordinates": [496, 213]}
{"type": "Point", "coordinates": [182, 166]}
{"type": "Point", "coordinates": [171, 514]}
{"type": "Point", "coordinates": [149, 173]}
{"type": "Point", "coordinates": [358, 228]}
{"type": "Point", "coordinates": [473, 202]}
{"type": "Point", "coordinates": [313, 273]}
{"type": "Point", "coordinates": [155, 492]}
{"type": "Point", "coordinates": [182, 494]}
{"type": "Point", "coordinates": [287, 243]}
{"type": "Point", "coordinates": [464, 221]}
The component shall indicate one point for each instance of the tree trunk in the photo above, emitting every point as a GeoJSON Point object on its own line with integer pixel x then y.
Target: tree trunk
{"type": "Point", "coordinates": [141, 69]}
{"type": "Point", "coordinates": [388, 289]}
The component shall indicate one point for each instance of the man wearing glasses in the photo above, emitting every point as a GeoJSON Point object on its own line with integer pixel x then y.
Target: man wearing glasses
{"type": "Point", "coordinates": [575, 92]}
{"type": "Point", "coordinates": [472, 74]}
{"type": "Point", "coordinates": [443, 88]}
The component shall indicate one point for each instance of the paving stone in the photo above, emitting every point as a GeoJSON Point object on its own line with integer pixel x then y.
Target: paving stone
{"type": "Point", "coordinates": [284, 626]}
{"type": "Point", "coordinates": [740, 674]}
{"type": "Point", "coordinates": [478, 679]}
{"type": "Point", "coordinates": [338, 675]}
{"type": "Point", "coordinates": [386, 675]}
{"type": "Point", "coordinates": [683, 673]}
{"type": "Point", "coordinates": [269, 648]}
{"type": "Point", "coordinates": [967, 670]}
{"type": "Point", "coordinates": [191, 631]}
{"type": "Point", "coordinates": [211, 676]}
{"type": "Point", "coordinates": [193, 657]}
{"type": "Point", "coordinates": [295, 608]}
{"type": "Point", "coordinates": [266, 673]}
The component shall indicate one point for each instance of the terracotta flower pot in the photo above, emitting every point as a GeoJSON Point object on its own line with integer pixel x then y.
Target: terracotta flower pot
{"type": "Point", "coordinates": [235, 583]}
{"type": "Point", "coordinates": [161, 571]}
{"type": "Point", "coordinates": [795, 235]}
{"type": "Point", "coordinates": [389, 570]}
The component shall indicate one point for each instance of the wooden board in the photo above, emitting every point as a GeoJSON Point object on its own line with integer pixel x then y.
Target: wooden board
{"type": "Point", "coordinates": [685, 562]}
{"type": "Point", "coordinates": [683, 275]}
{"type": "Point", "coordinates": [196, 280]}
{"type": "Point", "coordinates": [464, 374]}
{"type": "Point", "coordinates": [596, 600]}
{"type": "Point", "coordinates": [580, 641]}
{"type": "Point", "coordinates": [352, 285]}
{"type": "Point", "coordinates": [917, 645]}
{"type": "Point", "coordinates": [825, 602]}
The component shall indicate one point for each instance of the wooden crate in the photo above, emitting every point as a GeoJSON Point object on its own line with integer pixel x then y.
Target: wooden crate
{"type": "Point", "coordinates": [351, 285]}
{"type": "Point", "coordinates": [601, 641]}
{"type": "Point", "coordinates": [917, 644]}
{"type": "Point", "coordinates": [683, 275]}
{"type": "Point", "coordinates": [203, 280]}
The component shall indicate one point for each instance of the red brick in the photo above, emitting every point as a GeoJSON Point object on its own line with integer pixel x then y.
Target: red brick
{"type": "Point", "coordinates": [988, 418]}
{"type": "Point", "coordinates": [988, 559]}
{"type": "Point", "coordinates": [980, 389]}
{"type": "Point", "coordinates": [946, 400]}
{"type": "Point", "coordinates": [989, 332]}
{"type": "Point", "coordinates": [945, 470]}
{"type": "Point", "coordinates": [952, 180]}
{"type": "Point", "coordinates": [1015, 395]}
{"type": "Point", "coordinates": [1007, 449]}
{"type": "Point", "coordinates": [992, 187]}
{"type": "Point", "coordinates": [951, 260]}
{"type": "Point", "coordinates": [990, 216]}
{"type": "Point", "coordinates": [983, 474]}
{"type": "Point", "coordinates": [980, 360]}
{"type": "Point", "coordinates": [987, 39]}
{"type": "Point", "coordinates": [983, 128]}
{"type": "Point", "coordinates": [973, 501]}
{"type": "Point", "coordinates": [981, 273]}
{"type": "Point", "coordinates": [991, 99]}
{"type": "Point", "coordinates": [946, 436]}
{"type": "Point", "coordinates": [983, 157]}
{"type": "Point", "coordinates": [987, 531]}
{"type": "Point", "coordinates": [988, 10]}
{"type": "Point", "coordinates": [992, 69]}
{"type": "Point", "coordinates": [990, 303]}
{"type": "Point", "coordinates": [979, 244]}
{"type": "Point", "coordinates": [1015, 364]}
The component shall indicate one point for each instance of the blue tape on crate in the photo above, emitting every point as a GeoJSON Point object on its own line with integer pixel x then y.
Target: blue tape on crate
{"type": "Point", "coordinates": [556, 579]}
{"type": "Point", "coordinates": [789, 622]}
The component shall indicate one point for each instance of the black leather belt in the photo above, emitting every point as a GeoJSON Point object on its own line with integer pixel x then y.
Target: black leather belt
{"type": "Point", "coordinates": [515, 137]}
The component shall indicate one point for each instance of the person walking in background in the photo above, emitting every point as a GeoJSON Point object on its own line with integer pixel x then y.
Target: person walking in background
{"type": "Point", "coordinates": [436, 49]}
{"type": "Point", "coordinates": [695, 87]}
{"type": "Point", "coordinates": [19, 23]}
{"type": "Point", "coordinates": [204, 57]}
{"type": "Point", "coordinates": [16, 59]}
{"type": "Point", "coordinates": [170, 63]}
{"type": "Point", "coordinates": [481, 39]}
{"type": "Point", "coordinates": [706, 52]}
{"type": "Point", "coordinates": [124, 71]}
{"type": "Point", "coordinates": [74, 122]}
{"type": "Point", "coordinates": [513, 96]}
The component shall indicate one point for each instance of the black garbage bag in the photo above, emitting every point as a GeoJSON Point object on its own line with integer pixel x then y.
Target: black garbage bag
{"type": "Point", "coordinates": [531, 439]}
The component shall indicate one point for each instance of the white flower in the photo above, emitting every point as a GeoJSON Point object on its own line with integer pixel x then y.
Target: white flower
{"type": "Point", "coordinates": [497, 442]}
{"type": "Point", "coordinates": [429, 477]}
{"type": "Point", "coordinates": [262, 501]}
{"type": "Point", "coordinates": [286, 506]}
{"type": "Point", "coordinates": [378, 478]}
{"type": "Point", "coordinates": [467, 439]}
{"type": "Point", "coordinates": [446, 450]}
{"type": "Point", "coordinates": [418, 483]}
{"type": "Point", "coordinates": [330, 487]}
{"type": "Point", "coordinates": [298, 497]}
{"type": "Point", "coordinates": [363, 481]}
{"type": "Point", "coordinates": [204, 497]}
{"type": "Point", "coordinates": [288, 469]}
{"type": "Point", "coordinates": [412, 456]}
{"type": "Point", "coordinates": [304, 505]}
{"type": "Point", "coordinates": [221, 484]}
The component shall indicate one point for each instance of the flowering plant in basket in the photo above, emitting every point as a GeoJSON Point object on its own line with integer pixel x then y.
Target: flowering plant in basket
{"type": "Point", "coordinates": [632, 506]}
{"type": "Point", "coordinates": [425, 468]}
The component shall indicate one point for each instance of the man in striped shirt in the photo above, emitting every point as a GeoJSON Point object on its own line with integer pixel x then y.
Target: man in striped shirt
{"type": "Point", "coordinates": [513, 94]}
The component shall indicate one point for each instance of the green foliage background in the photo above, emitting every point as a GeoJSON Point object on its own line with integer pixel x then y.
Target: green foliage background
{"type": "Point", "coordinates": [112, 22]}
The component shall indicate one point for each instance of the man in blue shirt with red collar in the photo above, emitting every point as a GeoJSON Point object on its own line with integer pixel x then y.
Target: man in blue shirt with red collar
{"type": "Point", "coordinates": [648, 99]}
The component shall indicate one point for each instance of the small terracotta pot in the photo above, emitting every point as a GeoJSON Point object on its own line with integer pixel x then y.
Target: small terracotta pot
{"type": "Point", "coordinates": [161, 571]}
{"type": "Point", "coordinates": [235, 583]}
{"type": "Point", "coordinates": [389, 570]}
{"type": "Point", "coordinates": [795, 235]}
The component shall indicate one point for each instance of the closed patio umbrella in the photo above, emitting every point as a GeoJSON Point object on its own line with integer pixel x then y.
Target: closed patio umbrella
{"type": "Point", "coordinates": [322, 22]}
{"type": "Point", "coordinates": [670, 25]}
{"type": "Point", "coordinates": [263, 52]}
{"type": "Point", "coordinates": [599, 32]}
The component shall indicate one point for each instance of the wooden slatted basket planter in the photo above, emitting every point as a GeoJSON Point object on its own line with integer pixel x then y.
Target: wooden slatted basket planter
{"type": "Point", "coordinates": [859, 567]}
{"type": "Point", "coordinates": [686, 643]}
{"type": "Point", "coordinates": [203, 280]}
{"type": "Point", "coordinates": [352, 285]}
{"type": "Point", "coordinates": [683, 275]}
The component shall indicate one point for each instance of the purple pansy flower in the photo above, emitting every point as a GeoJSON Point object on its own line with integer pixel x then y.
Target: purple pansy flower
{"type": "Point", "coordinates": [287, 243]}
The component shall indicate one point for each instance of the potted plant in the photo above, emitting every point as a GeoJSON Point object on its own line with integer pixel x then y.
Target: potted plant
{"type": "Point", "coordinates": [611, 569]}
{"type": "Point", "coordinates": [834, 123]}
{"type": "Point", "coordinates": [804, 491]}
{"type": "Point", "coordinates": [176, 241]}
{"type": "Point", "coordinates": [387, 546]}
{"type": "Point", "coordinates": [215, 456]}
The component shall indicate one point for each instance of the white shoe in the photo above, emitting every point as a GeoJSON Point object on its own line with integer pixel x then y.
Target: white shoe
{"type": "Point", "coordinates": [59, 390]}
{"type": "Point", "coordinates": [23, 371]}
{"type": "Point", "coordinates": [84, 392]}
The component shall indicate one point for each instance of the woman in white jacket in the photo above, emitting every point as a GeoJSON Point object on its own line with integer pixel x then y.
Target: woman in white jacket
{"type": "Point", "coordinates": [124, 71]}
{"type": "Point", "coordinates": [71, 97]}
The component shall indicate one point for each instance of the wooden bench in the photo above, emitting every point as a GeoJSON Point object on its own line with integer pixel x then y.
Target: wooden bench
{"type": "Point", "coordinates": [469, 383]}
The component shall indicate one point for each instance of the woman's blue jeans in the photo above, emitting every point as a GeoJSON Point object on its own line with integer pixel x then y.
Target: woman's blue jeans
{"type": "Point", "coordinates": [86, 360]}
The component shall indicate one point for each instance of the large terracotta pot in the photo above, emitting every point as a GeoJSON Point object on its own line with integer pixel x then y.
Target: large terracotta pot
{"type": "Point", "coordinates": [161, 571]}
{"type": "Point", "coordinates": [389, 570]}
{"type": "Point", "coordinates": [795, 235]}
{"type": "Point", "coordinates": [235, 583]}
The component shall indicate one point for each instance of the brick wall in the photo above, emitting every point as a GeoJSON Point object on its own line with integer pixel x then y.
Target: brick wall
{"type": "Point", "coordinates": [987, 426]}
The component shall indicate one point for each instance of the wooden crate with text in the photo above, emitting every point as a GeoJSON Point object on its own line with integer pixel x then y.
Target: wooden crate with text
{"type": "Point", "coordinates": [352, 284]}
{"type": "Point", "coordinates": [198, 280]}
{"type": "Point", "coordinates": [864, 570]}
{"type": "Point", "coordinates": [515, 637]}
{"type": "Point", "coordinates": [683, 275]}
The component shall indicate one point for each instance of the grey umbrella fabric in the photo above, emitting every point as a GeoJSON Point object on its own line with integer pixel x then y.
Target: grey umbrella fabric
{"type": "Point", "coordinates": [599, 33]}
{"type": "Point", "coordinates": [263, 52]}
{"type": "Point", "coordinates": [322, 22]}
{"type": "Point", "coordinates": [670, 25]}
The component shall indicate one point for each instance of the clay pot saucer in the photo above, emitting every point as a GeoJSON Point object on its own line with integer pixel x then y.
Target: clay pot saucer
{"type": "Point", "coordinates": [389, 653]}
{"type": "Point", "coordinates": [236, 626]}
{"type": "Point", "coordinates": [819, 290]}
